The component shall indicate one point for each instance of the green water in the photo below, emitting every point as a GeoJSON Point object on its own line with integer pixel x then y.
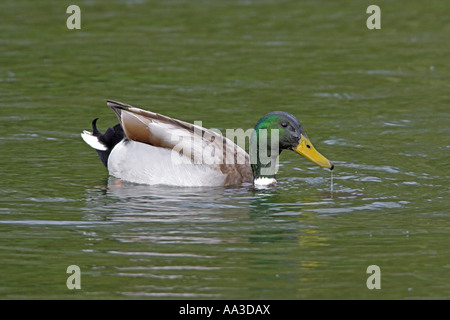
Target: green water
{"type": "Point", "coordinates": [375, 102]}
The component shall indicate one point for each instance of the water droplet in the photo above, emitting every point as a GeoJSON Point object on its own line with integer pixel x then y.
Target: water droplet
{"type": "Point", "coordinates": [331, 188]}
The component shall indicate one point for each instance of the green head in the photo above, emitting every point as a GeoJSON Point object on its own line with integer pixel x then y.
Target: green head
{"type": "Point", "coordinates": [275, 132]}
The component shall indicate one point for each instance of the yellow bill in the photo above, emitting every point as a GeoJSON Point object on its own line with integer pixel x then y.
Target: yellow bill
{"type": "Point", "coordinates": [306, 149]}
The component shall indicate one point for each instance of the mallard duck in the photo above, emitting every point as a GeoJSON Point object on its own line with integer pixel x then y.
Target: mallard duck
{"type": "Point", "coordinates": [150, 148]}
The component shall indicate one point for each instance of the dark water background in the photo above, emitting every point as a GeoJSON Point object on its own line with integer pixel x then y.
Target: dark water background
{"type": "Point", "coordinates": [375, 102]}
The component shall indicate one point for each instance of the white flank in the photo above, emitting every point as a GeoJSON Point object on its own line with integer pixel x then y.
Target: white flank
{"type": "Point", "coordinates": [142, 163]}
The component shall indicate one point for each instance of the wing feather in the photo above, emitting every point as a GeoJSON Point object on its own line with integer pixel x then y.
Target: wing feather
{"type": "Point", "coordinates": [200, 145]}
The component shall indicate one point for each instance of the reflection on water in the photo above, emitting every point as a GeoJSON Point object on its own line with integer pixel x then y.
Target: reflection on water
{"type": "Point", "coordinates": [216, 236]}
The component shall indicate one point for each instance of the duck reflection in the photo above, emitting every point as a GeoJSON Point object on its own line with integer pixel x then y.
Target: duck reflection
{"type": "Point", "coordinates": [241, 235]}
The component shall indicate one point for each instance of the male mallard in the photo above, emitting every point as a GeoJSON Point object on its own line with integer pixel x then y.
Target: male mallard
{"type": "Point", "coordinates": [150, 148]}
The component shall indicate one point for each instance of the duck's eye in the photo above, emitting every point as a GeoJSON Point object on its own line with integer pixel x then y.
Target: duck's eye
{"type": "Point", "coordinates": [284, 124]}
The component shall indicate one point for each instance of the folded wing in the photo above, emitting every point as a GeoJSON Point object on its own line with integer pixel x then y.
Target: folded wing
{"type": "Point", "coordinates": [197, 144]}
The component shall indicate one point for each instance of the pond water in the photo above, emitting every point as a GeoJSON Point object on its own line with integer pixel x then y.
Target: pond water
{"type": "Point", "coordinates": [374, 102]}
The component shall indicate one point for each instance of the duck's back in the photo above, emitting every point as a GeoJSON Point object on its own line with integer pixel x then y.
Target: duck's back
{"type": "Point", "coordinates": [161, 150]}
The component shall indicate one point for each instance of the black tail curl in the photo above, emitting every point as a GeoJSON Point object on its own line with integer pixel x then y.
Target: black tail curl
{"type": "Point", "coordinates": [110, 138]}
